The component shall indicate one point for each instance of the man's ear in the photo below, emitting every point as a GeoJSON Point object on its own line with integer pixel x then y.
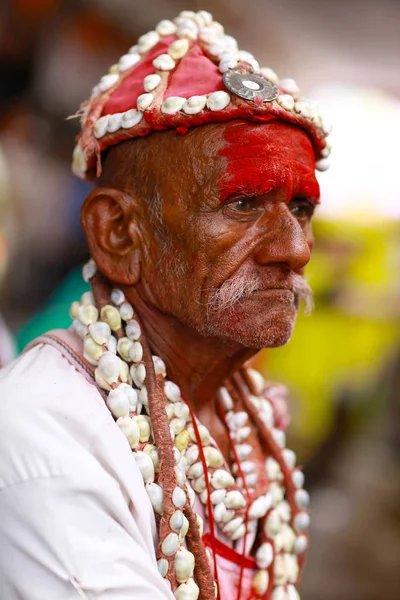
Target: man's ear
{"type": "Point", "coordinates": [108, 219]}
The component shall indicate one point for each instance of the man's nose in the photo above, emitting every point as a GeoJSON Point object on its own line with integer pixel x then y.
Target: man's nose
{"type": "Point", "coordinates": [284, 242]}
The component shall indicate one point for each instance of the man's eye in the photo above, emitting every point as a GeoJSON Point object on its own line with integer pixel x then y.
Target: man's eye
{"type": "Point", "coordinates": [244, 205]}
{"type": "Point", "coordinates": [303, 210]}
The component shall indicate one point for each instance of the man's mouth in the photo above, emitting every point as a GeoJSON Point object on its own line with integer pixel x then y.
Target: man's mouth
{"type": "Point", "coordinates": [278, 291]}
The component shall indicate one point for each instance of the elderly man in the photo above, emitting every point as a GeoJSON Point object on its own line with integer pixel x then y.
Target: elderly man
{"type": "Point", "coordinates": [143, 460]}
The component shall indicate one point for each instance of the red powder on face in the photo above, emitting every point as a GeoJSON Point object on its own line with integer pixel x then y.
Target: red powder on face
{"type": "Point", "coordinates": [266, 157]}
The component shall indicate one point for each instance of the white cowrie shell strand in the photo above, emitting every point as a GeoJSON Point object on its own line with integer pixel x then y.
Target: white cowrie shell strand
{"type": "Point", "coordinates": [170, 544]}
{"type": "Point", "coordinates": [123, 401]}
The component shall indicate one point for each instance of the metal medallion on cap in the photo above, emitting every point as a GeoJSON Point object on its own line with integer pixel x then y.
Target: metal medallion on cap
{"type": "Point", "coordinates": [250, 85]}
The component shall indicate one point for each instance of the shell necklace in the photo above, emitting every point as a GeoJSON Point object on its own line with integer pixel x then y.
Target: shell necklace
{"type": "Point", "coordinates": [179, 460]}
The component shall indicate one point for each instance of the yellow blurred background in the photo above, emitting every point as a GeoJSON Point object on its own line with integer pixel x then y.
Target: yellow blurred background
{"type": "Point", "coordinates": [342, 365]}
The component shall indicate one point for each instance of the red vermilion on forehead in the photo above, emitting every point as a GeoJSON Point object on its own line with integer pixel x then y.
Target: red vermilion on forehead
{"type": "Point", "coordinates": [266, 157]}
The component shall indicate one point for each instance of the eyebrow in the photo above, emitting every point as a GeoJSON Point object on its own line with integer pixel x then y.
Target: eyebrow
{"type": "Point", "coordinates": [307, 188]}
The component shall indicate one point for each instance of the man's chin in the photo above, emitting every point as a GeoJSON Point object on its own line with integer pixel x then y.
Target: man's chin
{"type": "Point", "coordinates": [256, 329]}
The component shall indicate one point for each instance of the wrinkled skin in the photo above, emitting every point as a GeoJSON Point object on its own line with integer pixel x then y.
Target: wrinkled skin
{"type": "Point", "coordinates": [171, 273]}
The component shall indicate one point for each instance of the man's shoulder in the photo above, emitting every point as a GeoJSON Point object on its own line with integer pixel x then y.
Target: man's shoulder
{"type": "Point", "coordinates": [49, 415]}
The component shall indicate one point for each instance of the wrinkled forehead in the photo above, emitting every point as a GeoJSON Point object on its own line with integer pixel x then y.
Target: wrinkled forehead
{"type": "Point", "coordinates": [260, 158]}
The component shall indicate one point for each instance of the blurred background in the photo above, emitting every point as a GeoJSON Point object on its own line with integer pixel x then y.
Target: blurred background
{"type": "Point", "coordinates": [343, 363]}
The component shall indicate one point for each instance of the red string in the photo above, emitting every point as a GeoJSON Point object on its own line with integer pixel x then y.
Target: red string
{"type": "Point", "coordinates": [209, 503]}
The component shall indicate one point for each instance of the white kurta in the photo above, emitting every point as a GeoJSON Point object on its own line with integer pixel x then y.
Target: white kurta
{"type": "Point", "coordinates": [75, 518]}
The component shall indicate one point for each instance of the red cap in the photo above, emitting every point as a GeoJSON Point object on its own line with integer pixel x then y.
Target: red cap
{"type": "Point", "coordinates": [187, 72]}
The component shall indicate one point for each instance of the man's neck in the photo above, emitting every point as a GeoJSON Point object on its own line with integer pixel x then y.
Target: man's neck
{"type": "Point", "coordinates": [198, 364]}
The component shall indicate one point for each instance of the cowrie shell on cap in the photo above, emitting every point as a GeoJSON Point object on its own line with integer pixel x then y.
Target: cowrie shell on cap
{"type": "Point", "coordinates": [184, 15]}
{"type": "Point", "coordinates": [244, 55]}
{"type": "Point", "coordinates": [150, 82]}
{"type": "Point", "coordinates": [95, 91]}
{"type": "Point", "coordinates": [303, 108]}
{"type": "Point", "coordinates": [325, 152]}
{"type": "Point", "coordinates": [172, 105]}
{"type": "Point", "coordinates": [130, 118]}
{"type": "Point", "coordinates": [79, 162]}
{"type": "Point", "coordinates": [100, 127]}
{"type": "Point", "coordinates": [147, 41]}
{"type": "Point", "coordinates": [194, 105]}
{"type": "Point", "coordinates": [289, 86]}
{"type": "Point", "coordinates": [323, 164]}
{"type": "Point", "coordinates": [114, 122]}
{"type": "Point", "coordinates": [286, 101]}
{"type": "Point", "coordinates": [166, 27]}
{"type": "Point", "coordinates": [269, 74]}
{"type": "Point", "coordinates": [227, 62]}
{"type": "Point", "coordinates": [178, 48]}
{"type": "Point", "coordinates": [164, 63]}
{"type": "Point", "coordinates": [107, 81]}
{"type": "Point", "coordinates": [218, 48]}
{"type": "Point", "coordinates": [187, 29]}
{"type": "Point", "coordinates": [127, 61]}
{"type": "Point", "coordinates": [205, 16]}
{"type": "Point", "coordinates": [218, 100]}
{"type": "Point", "coordinates": [144, 100]}
{"type": "Point", "coordinates": [209, 35]}
{"type": "Point", "coordinates": [230, 43]}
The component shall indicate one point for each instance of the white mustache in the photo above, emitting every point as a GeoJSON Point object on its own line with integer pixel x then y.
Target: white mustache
{"type": "Point", "coordinates": [242, 285]}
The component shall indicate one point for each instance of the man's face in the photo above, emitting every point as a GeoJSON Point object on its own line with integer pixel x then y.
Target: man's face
{"type": "Point", "coordinates": [237, 202]}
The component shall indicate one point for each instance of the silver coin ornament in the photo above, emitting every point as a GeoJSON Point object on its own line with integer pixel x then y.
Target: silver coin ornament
{"type": "Point", "coordinates": [250, 85]}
